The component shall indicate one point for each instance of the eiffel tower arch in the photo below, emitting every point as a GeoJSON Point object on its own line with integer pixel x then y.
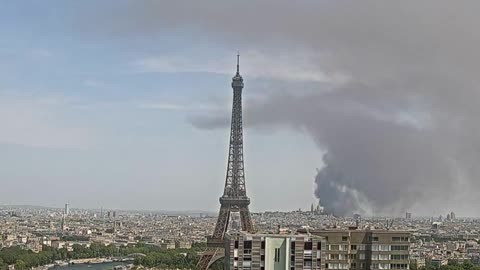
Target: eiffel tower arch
{"type": "Point", "coordinates": [234, 198]}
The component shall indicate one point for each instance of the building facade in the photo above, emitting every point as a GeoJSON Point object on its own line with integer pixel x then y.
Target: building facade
{"type": "Point", "coordinates": [274, 251]}
{"type": "Point", "coordinates": [365, 249]}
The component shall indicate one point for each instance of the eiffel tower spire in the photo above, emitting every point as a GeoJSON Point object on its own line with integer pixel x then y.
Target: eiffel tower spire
{"type": "Point", "coordinates": [238, 63]}
{"type": "Point", "coordinates": [234, 198]}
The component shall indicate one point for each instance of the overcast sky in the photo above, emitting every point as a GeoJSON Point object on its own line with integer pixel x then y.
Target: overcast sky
{"type": "Point", "coordinates": [126, 104]}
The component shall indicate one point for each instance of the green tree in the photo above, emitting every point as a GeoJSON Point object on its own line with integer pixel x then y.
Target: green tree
{"type": "Point", "coordinates": [20, 265]}
{"type": "Point", "coordinates": [2, 264]}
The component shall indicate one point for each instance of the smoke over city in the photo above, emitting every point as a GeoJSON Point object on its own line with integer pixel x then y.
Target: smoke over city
{"type": "Point", "coordinates": [395, 104]}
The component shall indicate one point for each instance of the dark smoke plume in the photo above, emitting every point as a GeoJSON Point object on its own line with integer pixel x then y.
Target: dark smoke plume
{"type": "Point", "coordinates": [400, 132]}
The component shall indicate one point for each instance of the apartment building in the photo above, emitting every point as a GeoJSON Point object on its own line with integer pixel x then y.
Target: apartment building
{"type": "Point", "coordinates": [274, 251]}
{"type": "Point", "coordinates": [365, 249]}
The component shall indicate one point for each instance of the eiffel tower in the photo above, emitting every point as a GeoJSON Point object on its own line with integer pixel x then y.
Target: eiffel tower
{"type": "Point", "coordinates": [234, 197]}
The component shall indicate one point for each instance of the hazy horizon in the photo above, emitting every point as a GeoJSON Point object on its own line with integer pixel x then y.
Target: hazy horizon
{"type": "Point", "coordinates": [369, 106]}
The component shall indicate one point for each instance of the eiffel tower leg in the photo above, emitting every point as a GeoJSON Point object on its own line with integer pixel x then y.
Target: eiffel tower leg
{"type": "Point", "coordinates": [215, 248]}
{"type": "Point", "coordinates": [222, 223]}
{"type": "Point", "coordinates": [246, 220]}
{"type": "Point", "coordinates": [210, 256]}
{"type": "Point", "coordinates": [204, 261]}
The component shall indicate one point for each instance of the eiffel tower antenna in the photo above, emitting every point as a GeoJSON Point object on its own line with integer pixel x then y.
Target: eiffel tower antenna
{"type": "Point", "coordinates": [234, 198]}
{"type": "Point", "coordinates": [238, 63]}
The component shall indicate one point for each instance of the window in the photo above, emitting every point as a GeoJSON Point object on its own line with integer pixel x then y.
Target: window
{"type": "Point", "coordinates": [344, 238]}
{"type": "Point", "coordinates": [361, 256]}
{"type": "Point", "coordinates": [399, 257]}
{"type": "Point", "coordinates": [353, 265]}
{"type": "Point", "coordinates": [361, 247]}
{"type": "Point", "coordinates": [375, 257]}
{"type": "Point", "coordinates": [333, 247]}
{"type": "Point", "coordinates": [337, 266]}
{"type": "Point", "coordinates": [384, 247]}
{"type": "Point", "coordinates": [307, 246]}
{"type": "Point", "coordinates": [353, 247]}
{"type": "Point", "coordinates": [236, 244]}
{"type": "Point", "coordinates": [398, 266]}
{"type": "Point", "coordinates": [383, 266]}
{"type": "Point", "coordinates": [375, 248]}
{"type": "Point", "coordinates": [277, 255]}
{"type": "Point", "coordinates": [399, 247]}
{"type": "Point", "coordinates": [400, 239]}
{"type": "Point", "coordinates": [262, 245]}
{"type": "Point", "coordinates": [333, 256]}
{"type": "Point", "coordinates": [383, 257]}
{"type": "Point", "coordinates": [374, 266]}
{"type": "Point", "coordinates": [247, 244]}
{"type": "Point", "coordinates": [319, 246]}
{"type": "Point", "coordinates": [307, 263]}
{"type": "Point", "coordinates": [352, 256]}
{"type": "Point", "coordinates": [373, 238]}
{"type": "Point", "coordinates": [292, 245]}
{"type": "Point", "coordinates": [262, 257]}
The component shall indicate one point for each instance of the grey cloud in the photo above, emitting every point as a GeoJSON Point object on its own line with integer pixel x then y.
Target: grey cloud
{"type": "Point", "coordinates": [403, 133]}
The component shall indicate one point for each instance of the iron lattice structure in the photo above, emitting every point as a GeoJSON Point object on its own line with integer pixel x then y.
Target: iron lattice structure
{"type": "Point", "coordinates": [234, 197]}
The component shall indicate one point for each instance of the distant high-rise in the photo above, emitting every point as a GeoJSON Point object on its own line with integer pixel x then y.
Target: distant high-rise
{"type": "Point", "coordinates": [63, 224]}
{"type": "Point", "coordinates": [66, 211]}
{"type": "Point", "coordinates": [408, 215]}
{"type": "Point", "coordinates": [452, 216]}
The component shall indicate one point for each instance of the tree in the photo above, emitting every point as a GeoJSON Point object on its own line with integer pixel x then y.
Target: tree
{"type": "Point", "coordinates": [2, 264]}
{"type": "Point", "coordinates": [20, 265]}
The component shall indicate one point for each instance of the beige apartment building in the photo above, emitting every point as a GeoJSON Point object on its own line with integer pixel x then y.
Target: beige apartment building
{"type": "Point", "coordinates": [365, 249]}
{"type": "Point", "coordinates": [274, 251]}
{"type": "Point", "coordinates": [318, 249]}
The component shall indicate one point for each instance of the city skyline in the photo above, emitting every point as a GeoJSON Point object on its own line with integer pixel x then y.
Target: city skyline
{"type": "Point", "coordinates": [369, 107]}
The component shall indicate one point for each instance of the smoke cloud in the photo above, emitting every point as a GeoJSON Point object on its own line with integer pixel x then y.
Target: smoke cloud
{"type": "Point", "coordinates": [401, 132]}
